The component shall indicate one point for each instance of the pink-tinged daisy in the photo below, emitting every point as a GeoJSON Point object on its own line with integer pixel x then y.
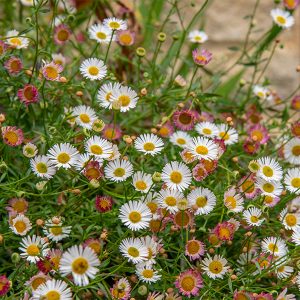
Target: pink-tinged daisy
{"type": "Point", "coordinates": [183, 219]}
{"type": "Point", "coordinates": [121, 289]}
{"type": "Point", "coordinates": [54, 256]}
{"type": "Point", "coordinates": [187, 156]}
{"type": "Point", "coordinates": [189, 283]}
{"type": "Point", "coordinates": [205, 117]}
{"type": "Point", "coordinates": [201, 58]}
{"type": "Point", "coordinates": [291, 4]}
{"type": "Point", "coordinates": [242, 295]}
{"type": "Point", "coordinates": [51, 71]}
{"type": "Point", "coordinates": [259, 133]}
{"type": "Point", "coordinates": [295, 129]}
{"type": "Point", "coordinates": [209, 165]}
{"type": "Point", "coordinates": [103, 203]}
{"type": "Point", "coordinates": [224, 231]}
{"type": "Point", "coordinates": [62, 34]}
{"type": "Point", "coordinates": [36, 280]}
{"type": "Point", "coordinates": [18, 205]}
{"type": "Point", "coordinates": [270, 201]}
{"type": "Point", "coordinates": [28, 94]}
{"type": "Point", "coordinates": [250, 146]}
{"type": "Point", "coordinates": [295, 104]}
{"type": "Point", "coordinates": [3, 48]}
{"type": "Point", "coordinates": [12, 135]}
{"type": "Point", "coordinates": [93, 170]}
{"type": "Point", "coordinates": [194, 249]}
{"type": "Point", "coordinates": [166, 130]}
{"type": "Point", "coordinates": [13, 65]}
{"type": "Point", "coordinates": [184, 119]}
{"type": "Point", "coordinates": [199, 172]}
{"type": "Point", "coordinates": [94, 244]}
{"type": "Point", "coordinates": [112, 132]}
{"type": "Point", "coordinates": [264, 296]}
{"type": "Point", "coordinates": [4, 285]}
{"type": "Point", "coordinates": [21, 225]}
{"type": "Point", "coordinates": [247, 186]}
{"type": "Point", "coordinates": [125, 37]}
{"type": "Point", "coordinates": [155, 296]}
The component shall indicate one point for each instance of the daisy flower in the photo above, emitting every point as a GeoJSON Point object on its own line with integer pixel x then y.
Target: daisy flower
{"type": "Point", "coordinates": [202, 147]}
{"type": "Point", "coordinates": [283, 295]}
{"type": "Point", "coordinates": [58, 59]}
{"type": "Point", "coordinates": [189, 283]}
{"type": "Point", "coordinates": [63, 155]}
{"type": "Point", "coordinates": [134, 250]}
{"type": "Point", "coordinates": [20, 225]}
{"type": "Point", "coordinates": [282, 18]}
{"type": "Point", "coordinates": [125, 37]}
{"type": "Point", "coordinates": [51, 71]}
{"type": "Point", "coordinates": [233, 200]}
{"type": "Point", "coordinates": [115, 24]}
{"type": "Point", "coordinates": [292, 180]}
{"type": "Point", "coordinates": [103, 203]}
{"type": "Point", "coordinates": [202, 200]}
{"type": "Point", "coordinates": [194, 249]}
{"type": "Point", "coordinates": [35, 281]}
{"type": "Point", "coordinates": [290, 221]}
{"type": "Point", "coordinates": [259, 134]}
{"type": "Point", "coordinates": [83, 160]}
{"type": "Point", "coordinates": [197, 36]}
{"type": "Point", "coordinates": [62, 34]}
{"type": "Point", "coordinates": [55, 231]}
{"type": "Point", "coordinates": [247, 186]}
{"type": "Point", "coordinates": [290, 4]}
{"type": "Point", "coordinates": [215, 267]}
{"type": "Point", "coordinates": [269, 170]}
{"type": "Point", "coordinates": [84, 116]}
{"type": "Point", "coordinates": [93, 69]}
{"type": "Point", "coordinates": [146, 272]}
{"type": "Point", "coordinates": [284, 271]}
{"type": "Point", "coordinates": [187, 156]}
{"type": "Point", "coordinates": [81, 262]}
{"type": "Point", "coordinates": [269, 188]}
{"type": "Point", "coordinates": [135, 215]}
{"type": "Point", "coordinates": [153, 246]}
{"type": "Point", "coordinates": [52, 289]}
{"type": "Point", "coordinates": [201, 57]}
{"type": "Point", "coordinates": [42, 166]}
{"type": "Point", "coordinates": [274, 246]}
{"type": "Point", "coordinates": [149, 143]}
{"type": "Point", "coordinates": [17, 205]}
{"type": "Point", "coordinates": [169, 198]}
{"type": "Point", "coordinates": [180, 138]}
{"type": "Point", "coordinates": [104, 94]}
{"type": "Point", "coordinates": [12, 135]}
{"type": "Point", "coordinates": [124, 98]}
{"type": "Point", "coordinates": [228, 134]}
{"type": "Point", "coordinates": [118, 170]}
{"type": "Point", "coordinates": [115, 153]}
{"type": "Point", "coordinates": [28, 94]}
{"type": "Point", "coordinates": [16, 41]}
{"type": "Point", "coordinates": [121, 289]}
{"type": "Point", "coordinates": [4, 285]}
{"type": "Point", "coordinates": [111, 132]}
{"type": "Point", "coordinates": [142, 182]}
{"type": "Point", "coordinates": [291, 151]}
{"type": "Point", "coordinates": [207, 129]}
{"type": "Point", "coordinates": [252, 216]}
{"type": "Point", "coordinates": [98, 147]}
{"type": "Point", "coordinates": [100, 33]}
{"type": "Point", "coordinates": [183, 219]}
{"type": "Point", "coordinates": [184, 119]}
{"type": "Point", "coordinates": [296, 236]}
{"type": "Point", "coordinates": [150, 199]}
{"type": "Point", "coordinates": [261, 92]}
{"type": "Point", "coordinates": [33, 248]}
{"type": "Point", "coordinates": [13, 65]}
{"type": "Point", "coordinates": [176, 175]}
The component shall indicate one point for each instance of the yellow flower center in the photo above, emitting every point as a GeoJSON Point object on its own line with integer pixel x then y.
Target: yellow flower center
{"type": "Point", "coordinates": [95, 246]}
{"type": "Point", "coordinates": [188, 283]}
{"type": "Point", "coordinates": [248, 186]}
{"type": "Point", "coordinates": [33, 250]}
{"type": "Point", "coordinates": [20, 226]}
{"type": "Point", "coordinates": [124, 99]}
{"type": "Point", "coordinates": [268, 199]}
{"type": "Point", "coordinates": [207, 131]}
{"type": "Point", "coordinates": [80, 265]}
{"type": "Point", "coordinates": [52, 295]}
{"type": "Point", "coordinates": [291, 220]}
{"type": "Point", "coordinates": [94, 71]}
{"type": "Point", "coordinates": [19, 206]}
{"type": "Point", "coordinates": [185, 118]}
{"type": "Point", "coordinates": [267, 171]}
{"type": "Point", "coordinates": [96, 149]}
{"type": "Point", "coordinates": [295, 182]}
{"type": "Point", "coordinates": [261, 94]}
{"type": "Point", "coordinates": [56, 230]}
{"type": "Point", "coordinates": [152, 206]}
{"type": "Point", "coordinates": [201, 201]}
{"type": "Point", "coordinates": [107, 96]}
{"type": "Point", "coordinates": [51, 72]}
{"type": "Point", "coordinates": [281, 20]}
{"type": "Point", "coordinates": [176, 177]}
{"type": "Point", "coordinates": [181, 141]}
{"type": "Point", "coordinates": [28, 93]}
{"type": "Point", "coordinates": [148, 273]}
{"type": "Point", "coordinates": [41, 167]}
{"type": "Point", "coordinates": [230, 202]}
{"type": "Point", "coordinates": [201, 58]}
{"type": "Point", "coordinates": [149, 146]}
{"type": "Point", "coordinates": [63, 35]}
{"type": "Point", "coordinates": [193, 247]}
{"type": "Point", "coordinates": [37, 282]}
{"type": "Point", "coordinates": [202, 150]}
{"type": "Point", "coordinates": [101, 35]}
{"type": "Point", "coordinates": [224, 233]}
{"type": "Point", "coordinates": [268, 187]}
{"type": "Point", "coordinates": [296, 150]}
{"type": "Point", "coordinates": [224, 136]}
{"type": "Point", "coordinates": [125, 38]}
{"type": "Point", "coordinates": [135, 217]}
{"type": "Point", "coordinates": [119, 172]}
{"type": "Point", "coordinates": [198, 38]}
{"type": "Point", "coordinates": [141, 185]}
{"type": "Point", "coordinates": [16, 41]}
{"type": "Point", "coordinates": [170, 201]}
{"type": "Point", "coordinates": [114, 25]}
{"type": "Point", "coordinates": [84, 118]}
{"type": "Point", "coordinates": [182, 218]}
{"type": "Point", "coordinates": [258, 134]}
{"type": "Point", "coordinates": [272, 247]}
{"type": "Point", "coordinates": [215, 267]}
{"type": "Point", "coordinates": [63, 157]}
{"type": "Point", "coordinates": [134, 252]}
{"type": "Point", "coordinates": [11, 137]}
{"type": "Point", "coordinates": [254, 219]}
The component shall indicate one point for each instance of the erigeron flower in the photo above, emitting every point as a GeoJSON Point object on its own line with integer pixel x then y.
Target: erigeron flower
{"type": "Point", "coordinates": [269, 188]}
{"type": "Point", "coordinates": [93, 69]}
{"type": "Point", "coordinates": [42, 166]}
{"type": "Point", "coordinates": [184, 119]}
{"type": "Point", "coordinates": [274, 245]}
{"type": "Point", "coordinates": [98, 147]}
{"type": "Point", "coordinates": [201, 57]}
{"type": "Point", "coordinates": [63, 155]}
{"type": "Point", "coordinates": [228, 134]}
{"type": "Point", "coordinates": [104, 94]}
{"type": "Point", "coordinates": [189, 283]}
{"type": "Point", "coordinates": [207, 129]}
{"type": "Point", "coordinates": [215, 267]}
{"type": "Point", "coordinates": [12, 135]}
{"type": "Point", "coordinates": [176, 175]}
{"type": "Point", "coordinates": [134, 250]}
{"type": "Point", "coordinates": [142, 182]}
{"type": "Point", "coordinates": [292, 180]}
{"type": "Point", "coordinates": [56, 231]}
{"type": "Point", "coordinates": [28, 94]}
{"type": "Point", "coordinates": [4, 285]}
{"type": "Point", "coordinates": [283, 295]}
{"type": "Point", "coordinates": [146, 272]}
{"type": "Point", "coordinates": [284, 271]}
{"type": "Point", "coordinates": [253, 216]}
{"type": "Point", "coordinates": [111, 132]}
{"type": "Point", "coordinates": [35, 281]}
{"type": "Point", "coordinates": [282, 18]}
{"type": "Point", "coordinates": [259, 134]}
{"type": "Point", "coordinates": [296, 236]}
{"type": "Point", "coordinates": [202, 200]}
{"type": "Point", "coordinates": [291, 221]}
{"type": "Point", "coordinates": [149, 143]}
{"type": "Point", "coordinates": [59, 59]}
{"type": "Point", "coordinates": [81, 262]}
{"type": "Point", "coordinates": [168, 199]}
{"type": "Point", "coordinates": [202, 147]}
{"type": "Point", "coordinates": [269, 170]}
{"type": "Point", "coordinates": [100, 33]}
{"type": "Point", "coordinates": [17, 205]}
{"type": "Point", "coordinates": [194, 249]}
{"type": "Point", "coordinates": [197, 36]}
{"type": "Point", "coordinates": [118, 170]}
{"type": "Point", "coordinates": [51, 71]}
{"type": "Point", "coordinates": [62, 34]}
{"type": "Point", "coordinates": [291, 151]}
{"type": "Point", "coordinates": [83, 160]}
{"type": "Point", "coordinates": [15, 40]}
{"type": "Point", "coordinates": [30, 150]}
{"type": "Point", "coordinates": [115, 24]}
{"type": "Point", "coordinates": [13, 65]}
{"type": "Point", "coordinates": [123, 97]}
{"type": "Point", "coordinates": [84, 116]}
{"type": "Point", "coordinates": [290, 4]}
{"type": "Point", "coordinates": [125, 37]}
{"type": "Point", "coordinates": [233, 200]}
{"type": "Point", "coordinates": [121, 289]}
{"type": "Point", "coordinates": [21, 225]}
{"type": "Point", "coordinates": [153, 245]}
{"type": "Point", "coordinates": [103, 203]}
{"type": "Point", "coordinates": [135, 215]}
{"type": "Point", "coordinates": [180, 138]}
{"type": "Point", "coordinates": [261, 92]}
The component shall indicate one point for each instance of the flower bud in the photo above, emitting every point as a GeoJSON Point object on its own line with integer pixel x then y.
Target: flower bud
{"type": "Point", "coordinates": [161, 36]}
{"type": "Point", "coordinates": [15, 257]}
{"type": "Point", "coordinates": [140, 51]}
{"type": "Point", "coordinates": [156, 177]}
{"type": "Point", "coordinates": [142, 290]}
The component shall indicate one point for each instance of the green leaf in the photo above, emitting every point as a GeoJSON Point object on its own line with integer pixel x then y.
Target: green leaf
{"type": "Point", "coordinates": [229, 85]}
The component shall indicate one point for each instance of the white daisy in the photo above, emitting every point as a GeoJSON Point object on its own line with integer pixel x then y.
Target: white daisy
{"type": "Point", "coordinates": [63, 155]}
{"type": "Point", "coordinates": [269, 188]}
{"type": "Point", "coordinates": [180, 138]}
{"type": "Point", "coordinates": [100, 33]}
{"type": "Point", "coordinates": [93, 69]}
{"type": "Point", "coordinates": [292, 180]}
{"type": "Point", "coordinates": [84, 116]}
{"type": "Point", "coordinates": [207, 129]}
{"type": "Point", "coordinates": [115, 154]}
{"type": "Point", "coordinates": [252, 216]}
{"type": "Point", "coordinates": [152, 245]}
{"type": "Point", "coordinates": [228, 134]}
{"type": "Point", "coordinates": [142, 182]}
{"type": "Point", "coordinates": [20, 225]}
{"type": "Point", "coordinates": [42, 166]}
{"type": "Point", "coordinates": [58, 59]}
{"type": "Point", "coordinates": [202, 147]}
{"type": "Point", "coordinates": [135, 215]}
{"type": "Point", "coordinates": [233, 200]}
{"type": "Point", "coordinates": [261, 92]}
{"type": "Point", "coordinates": [104, 94]}
{"type": "Point", "coordinates": [84, 159]}
{"type": "Point", "coordinates": [98, 147]}
{"type": "Point", "coordinates": [169, 198]}
{"type": "Point", "coordinates": [291, 151]}
{"type": "Point", "coordinates": [198, 36]}
{"type": "Point", "coordinates": [202, 200]}
{"type": "Point", "coordinates": [118, 170]}
{"type": "Point", "coordinates": [291, 221]}
{"type": "Point", "coordinates": [81, 262]}
{"type": "Point", "coordinates": [275, 246]}
{"type": "Point", "coordinates": [215, 267]}
{"type": "Point", "coordinates": [124, 98]}
{"type": "Point", "coordinates": [284, 271]}
{"type": "Point", "coordinates": [269, 170]}
{"type": "Point", "coordinates": [150, 199]}
{"type": "Point", "coordinates": [33, 248]}
{"type": "Point", "coordinates": [146, 272]}
{"type": "Point", "coordinates": [134, 250]}
{"type": "Point", "coordinates": [56, 232]}
{"type": "Point", "coordinates": [296, 236]}
{"type": "Point", "coordinates": [16, 41]}
{"type": "Point", "coordinates": [149, 143]}
{"type": "Point", "coordinates": [52, 289]}
{"type": "Point", "coordinates": [115, 24]}
{"type": "Point", "coordinates": [282, 18]}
